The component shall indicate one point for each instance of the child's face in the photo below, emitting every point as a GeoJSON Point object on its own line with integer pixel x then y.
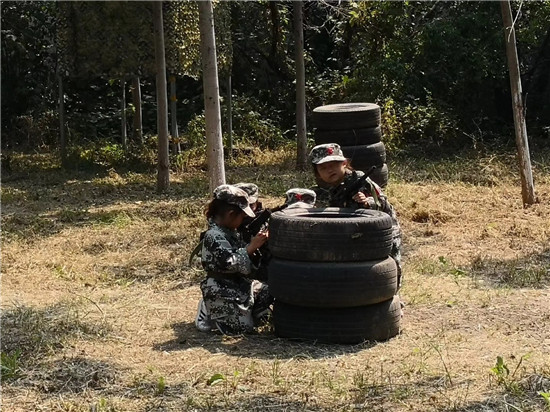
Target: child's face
{"type": "Point", "coordinates": [332, 172]}
{"type": "Point", "coordinates": [232, 219]}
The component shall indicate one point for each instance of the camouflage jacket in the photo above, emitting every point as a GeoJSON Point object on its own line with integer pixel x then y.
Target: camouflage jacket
{"type": "Point", "coordinates": [224, 252]}
{"type": "Point", "coordinates": [327, 196]}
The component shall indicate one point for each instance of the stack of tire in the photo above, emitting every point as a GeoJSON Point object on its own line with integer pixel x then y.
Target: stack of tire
{"type": "Point", "coordinates": [356, 128]}
{"type": "Point", "coordinates": [331, 275]}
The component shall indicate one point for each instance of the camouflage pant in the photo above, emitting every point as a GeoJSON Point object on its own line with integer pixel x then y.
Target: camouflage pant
{"type": "Point", "coordinates": [396, 254]}
{"type": "Point", "coordinates": [237, 304]}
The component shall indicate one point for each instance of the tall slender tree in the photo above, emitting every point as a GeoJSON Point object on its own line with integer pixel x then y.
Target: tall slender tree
{"type": "Point", "coordinates": [214, 142]}
{"type": "Point", "coordinates": [301, 135]}
{"type": "Point", "coordinates": [163, 167]}
{"type": "Point", "coordinates": [527, 187]}
{"type": "Point", "coordinates": [137, 123]}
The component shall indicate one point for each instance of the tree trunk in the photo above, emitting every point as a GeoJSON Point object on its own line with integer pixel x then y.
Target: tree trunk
{"type": "Point", "coordinates": [229, 117]}
{"type": "Point", "coordinates": [62, 134]}
{"type": "Point", "coordinates": [301, 162]}
{"type": "Point", "coordinates": [124, 134]}
{"type": "Point", "coordinates": [214, 144]}
{"type": "Point", "coordinates": [137, 131]}
{"type": "Point", "coordinates": [527, 188]}
{"type": "Point", "coordinates": [163, 171]}
{"type": "Point", "coordinates": [174, 116]}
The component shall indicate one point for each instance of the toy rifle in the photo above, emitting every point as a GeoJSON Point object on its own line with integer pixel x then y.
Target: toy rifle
{"type": "Point", "coordinates": [343, 195]}
{"type": "Point", "coordinates": [259, 221]}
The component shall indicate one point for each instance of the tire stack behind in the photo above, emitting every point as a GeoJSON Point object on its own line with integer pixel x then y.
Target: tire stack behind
{"type": "Point", "coordinates": [356, 128]}
{"type": "Point", "coordinates": [331, 275]}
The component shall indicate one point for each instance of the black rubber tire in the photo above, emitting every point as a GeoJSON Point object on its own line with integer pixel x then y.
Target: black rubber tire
{"type": "Point", "coordinates": [377, 322]}
{"type": "Point", "coordinates": [348, 137]}
{"type": "Point", "coordinates": [332, 285]}
{"type": "Point", "coordinates": [380, 175]}
{"type": "Point", "coordinates": [330, 234]}
{"type": "Point", "coordinates": [344, 116]}
{"type": "Point", "coordinates": [365, 156]}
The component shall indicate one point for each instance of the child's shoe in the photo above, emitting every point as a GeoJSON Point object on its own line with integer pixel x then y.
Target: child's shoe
{"type": "Point", "coordinates": [202, 321]}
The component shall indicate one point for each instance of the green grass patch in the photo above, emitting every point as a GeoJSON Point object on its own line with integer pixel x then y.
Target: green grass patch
{"type": "Point", "coordinates": [10, 365]}
{"type": "Point", "coordinates": [34, 331]}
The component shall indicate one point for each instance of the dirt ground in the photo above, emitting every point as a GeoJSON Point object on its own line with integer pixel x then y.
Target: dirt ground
{"type": "Point", "coordinates": [98, 302]}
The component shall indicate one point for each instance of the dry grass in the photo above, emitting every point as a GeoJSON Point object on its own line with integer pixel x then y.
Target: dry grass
{"type": "Point", "coordinates": [98, 300]}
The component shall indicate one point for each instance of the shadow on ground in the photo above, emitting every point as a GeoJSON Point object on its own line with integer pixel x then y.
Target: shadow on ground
{"type": "Point", "coordinates": [264, 345]}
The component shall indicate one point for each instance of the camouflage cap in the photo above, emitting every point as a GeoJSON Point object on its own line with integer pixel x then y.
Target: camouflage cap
{"type": "Point", "coordinates": [298, 194]}
{"type": "Point", "coordinates": [234, 196]}
{"type": "Point", "coordinates": [328, 152]}
{"type": "Point", "coordinates": [251, 190]}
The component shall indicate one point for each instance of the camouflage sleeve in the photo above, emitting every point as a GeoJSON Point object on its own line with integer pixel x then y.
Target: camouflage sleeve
{"type": "Point", "coordinates": [218, 255]}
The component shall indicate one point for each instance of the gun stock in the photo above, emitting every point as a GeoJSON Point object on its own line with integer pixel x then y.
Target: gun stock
{"type": "Point", "coordinates": [256, 225]}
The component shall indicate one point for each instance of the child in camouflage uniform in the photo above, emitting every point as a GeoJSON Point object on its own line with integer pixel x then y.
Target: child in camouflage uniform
{"type": "Point", "coordinates": [233, 302]}
{"type": "Point", "coordinates": [300, 198]}
{"type": "Point", "coordinates": [332, 169]}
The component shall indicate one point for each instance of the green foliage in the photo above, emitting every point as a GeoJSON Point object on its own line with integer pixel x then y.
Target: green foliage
{"type": "Point", "coordinates": [250, 127]}
{"type": "Point", "coordinates": [438, 69]}
{"type": "Point", "coordinates": [182, 37]}
{"type": "Point", "coordinates": [28, 64]}
{"type": "Point", "coordinates": [10, 365]}
{"type": "Point", "coordinates": [506, 378]}
{"type": "Point", "coordinates": [215, 379]}
{"type": "Point", "coordinates": [161, 386]}
{"type": "Point", "coordinates": [415, 123]}
{"type": "Point", "coordinates": [106, 154]}
{"type": "Point", "coordinates": [443, 64]}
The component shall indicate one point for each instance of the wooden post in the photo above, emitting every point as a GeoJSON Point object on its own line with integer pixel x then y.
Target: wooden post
{"type": "Point", "coordinates": [123, 129]}
{"type": "Point", "coordinates": [301, 137]}
{"type": "Point", "coordinates": [163, 167]}
{"type": "Point", "coordinates": [174, 116]}
{"type": "Point", "coordinates": [62, 134]}
{"type": "Point", "coordinates": [527, 187]}
{"type": "Point", "coordinates": [229, 117]}
{"type": "Point", "coordinates": [136, 98]}
{"type": "Point", "coordinates": [212, 112]}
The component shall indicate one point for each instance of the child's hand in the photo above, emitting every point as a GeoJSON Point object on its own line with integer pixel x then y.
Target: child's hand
{"type": "Point", "coordinates": [366, 201]}
{"type": "Point", "coordinates": [257, 241]}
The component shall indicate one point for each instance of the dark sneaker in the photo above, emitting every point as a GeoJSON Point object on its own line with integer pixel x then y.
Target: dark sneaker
{"type": "Point", "coordinates": [202, 321]}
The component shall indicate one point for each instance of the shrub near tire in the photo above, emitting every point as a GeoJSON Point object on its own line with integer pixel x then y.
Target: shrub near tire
{"type": "Point", "coordinates": [332, 285]}
{"type": "Point", "coordinates": [338, 325]}
{"type": "Point", "coordinates": [330, 234]}
{"type": "Point", "coordinates": [346, 116]}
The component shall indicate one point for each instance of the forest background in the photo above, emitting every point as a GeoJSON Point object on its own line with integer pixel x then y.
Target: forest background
{"type": "Point", "coordinates": [437, 69]}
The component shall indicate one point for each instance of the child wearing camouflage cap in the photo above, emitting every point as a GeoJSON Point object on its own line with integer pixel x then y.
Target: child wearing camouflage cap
{"type": "Point", "coordinates": [332, 170]}
{"type": "Point", "coordinates": [232, 300]}
{"type": "Point", "coordinates": [300, 198]}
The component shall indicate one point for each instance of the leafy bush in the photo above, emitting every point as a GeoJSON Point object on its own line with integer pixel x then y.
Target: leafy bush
{"type": "Point", "coordinates": [413, 122]}
{"type": "Point", "coordinates": [250, 127]}
{"type": "Point", "coordinates": [105, 153]}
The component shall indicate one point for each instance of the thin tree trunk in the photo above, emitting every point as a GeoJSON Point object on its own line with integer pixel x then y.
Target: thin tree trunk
{"type": "Point", "coordinates": [137, 131]}
{"type": "Point", "coordinates": [301, 161]}
{"type": "Point", "coordinates": [214, 143]}
{"type": "Point", "coordinates": [229, 117]}
{"type": "Point", "coordinates": [527, 187]}
{"type": "Point", "coordinates": [174, 116]}
{"type": "Point", "coordinates": [124, 132]}
{"type": "Point", "coordinates": [62, 134]}
{"type": "Point", "coordinates": [163, 172]}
